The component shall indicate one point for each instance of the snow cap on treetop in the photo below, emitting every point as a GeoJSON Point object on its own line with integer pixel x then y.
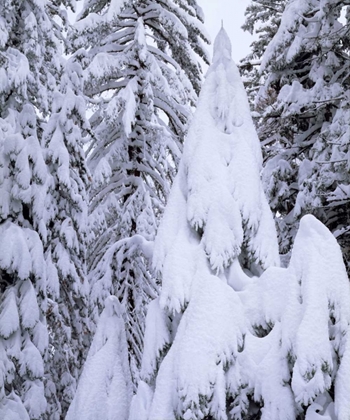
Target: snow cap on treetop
{"type": "Point", "coordinates": [222, 47]}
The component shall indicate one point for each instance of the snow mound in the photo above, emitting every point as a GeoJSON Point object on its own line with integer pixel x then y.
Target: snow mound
{"type": "Point", "coordinates": [104, 388]}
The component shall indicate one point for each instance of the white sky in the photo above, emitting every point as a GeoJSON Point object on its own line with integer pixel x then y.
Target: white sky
{"type": "Point", "coordinates": [232, 13]}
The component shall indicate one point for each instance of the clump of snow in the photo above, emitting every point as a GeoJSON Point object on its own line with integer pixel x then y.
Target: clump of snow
{"type": "Point", "coordinates": [266, 374]}
{"type": "Point", "coordinates": [322, 408]}
{"type": "Point", "coordinates": [23, 336]}
{"type": "Point", "coordinates": [9, 318]}
{"type": "Point", "coordinates": [13, 409]}
{"type": "Point", "coordinates": [306, 307]}
{"type": "Point", "coordinates": [179, 269]}
{"type": "Point", "coordinates": [208, 340]}
{"type": "Point", "coordinates": [141, 402]}
{"type": "Point", "coordinates": [157, 337]}
{"type": "Point", "coordinates": [323, 300]}
{"type": "Point", "coordinates": [292, 16]}
{"type": "Point", "coordinates": [104, 388]}
{"type": "Point", "coordinates": [93, 19]}
{"type": "Point", "coordinates": [342, 383]}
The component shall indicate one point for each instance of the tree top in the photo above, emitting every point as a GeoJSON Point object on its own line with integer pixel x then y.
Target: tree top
{"type": "Point", "coordinates": [222, 47]}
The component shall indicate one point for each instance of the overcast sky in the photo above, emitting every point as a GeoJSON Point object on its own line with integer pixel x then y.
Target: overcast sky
{"type": "Point", "coordinates": [232, 13]}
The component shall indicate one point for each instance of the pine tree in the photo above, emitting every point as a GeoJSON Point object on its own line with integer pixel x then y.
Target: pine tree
{"type": "Point", "coordinates": [141, 77]}
{"type": "Point", "coordinates": [305, 109]}
{"type": "Point", "coordinates": [65, 248]}
{"type": "Point", "coordinates": [232, 335]}
{"type": "Point", "coordinates": [28, 67]}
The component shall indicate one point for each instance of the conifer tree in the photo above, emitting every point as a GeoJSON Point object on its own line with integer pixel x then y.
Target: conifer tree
{"type": "Point", "coordinates": [232, 335]}
{"type": "Point", "coordinates": [42, 213]}
{"type": "Point", "coordinates": [305, 109]}
{"type": "Point", "coordinates": [263, 18]}
{"type": "Point", "coordinates": [65, 248]}
{"type": "Point", "coordinates": [28, 66]}
{"type": "Point", "coordinates": [142, 78]}
{"type": "Point", "coordinates": [216, 229]}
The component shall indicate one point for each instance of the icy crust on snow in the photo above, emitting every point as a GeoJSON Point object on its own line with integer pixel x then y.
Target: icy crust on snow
{"type": "Point", "coordinates": [104, 389]}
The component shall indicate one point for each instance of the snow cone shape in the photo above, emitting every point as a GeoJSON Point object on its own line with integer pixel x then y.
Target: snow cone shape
{"type": "Point", "coordinates": [217, 205]}
{"type": "Point", "coordinates": [217, 232]}
{"type": "Point", "coordinates": [104, 388]}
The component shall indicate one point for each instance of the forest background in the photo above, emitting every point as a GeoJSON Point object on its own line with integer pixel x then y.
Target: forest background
{"type": "Point", "coordinates": [100, 299]}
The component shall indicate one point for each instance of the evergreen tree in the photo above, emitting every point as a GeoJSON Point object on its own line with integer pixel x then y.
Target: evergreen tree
{"type": "Point", "coordinates": [28, 65]}
{"type": "Point", "coordinates": [141, 77]}
{"type": "Point", "coordinates": [42, 213]}
{"type": "Point", "coordinates": [217, 232]}
{"type": "Point", "coordinates": [65, 248]}
{"type": "Point", "coordinates": [305, 113]}
{"type": "Point", "coordinates": [263, 18]}
{"type": "Point", "coordinates": [232, 335]}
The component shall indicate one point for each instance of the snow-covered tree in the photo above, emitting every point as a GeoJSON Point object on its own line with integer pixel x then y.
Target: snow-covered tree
{"type": "Point", "coordinates": [105, 387]}
{"type": "Point", "coordinates": [217, 231]}
{"type": "Point", "coordinates": [263, 18]}
{"type": "Point", "coordinates": [42, 213]}
{"type": "Point", "coordinates": [142, 76]}
{"type": "Point", "coordinates": [175, 29]}
{"type": "Point", "coordinates": [65, 248]}
{"type": "Point", "coordinates": [301, 367]}
{"type": "Point", "coordinates": [232, 335]}
{"type": "Point", "coordinates": [305, 108]}
{"type": "Point", "coordinates": [28, 65]}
